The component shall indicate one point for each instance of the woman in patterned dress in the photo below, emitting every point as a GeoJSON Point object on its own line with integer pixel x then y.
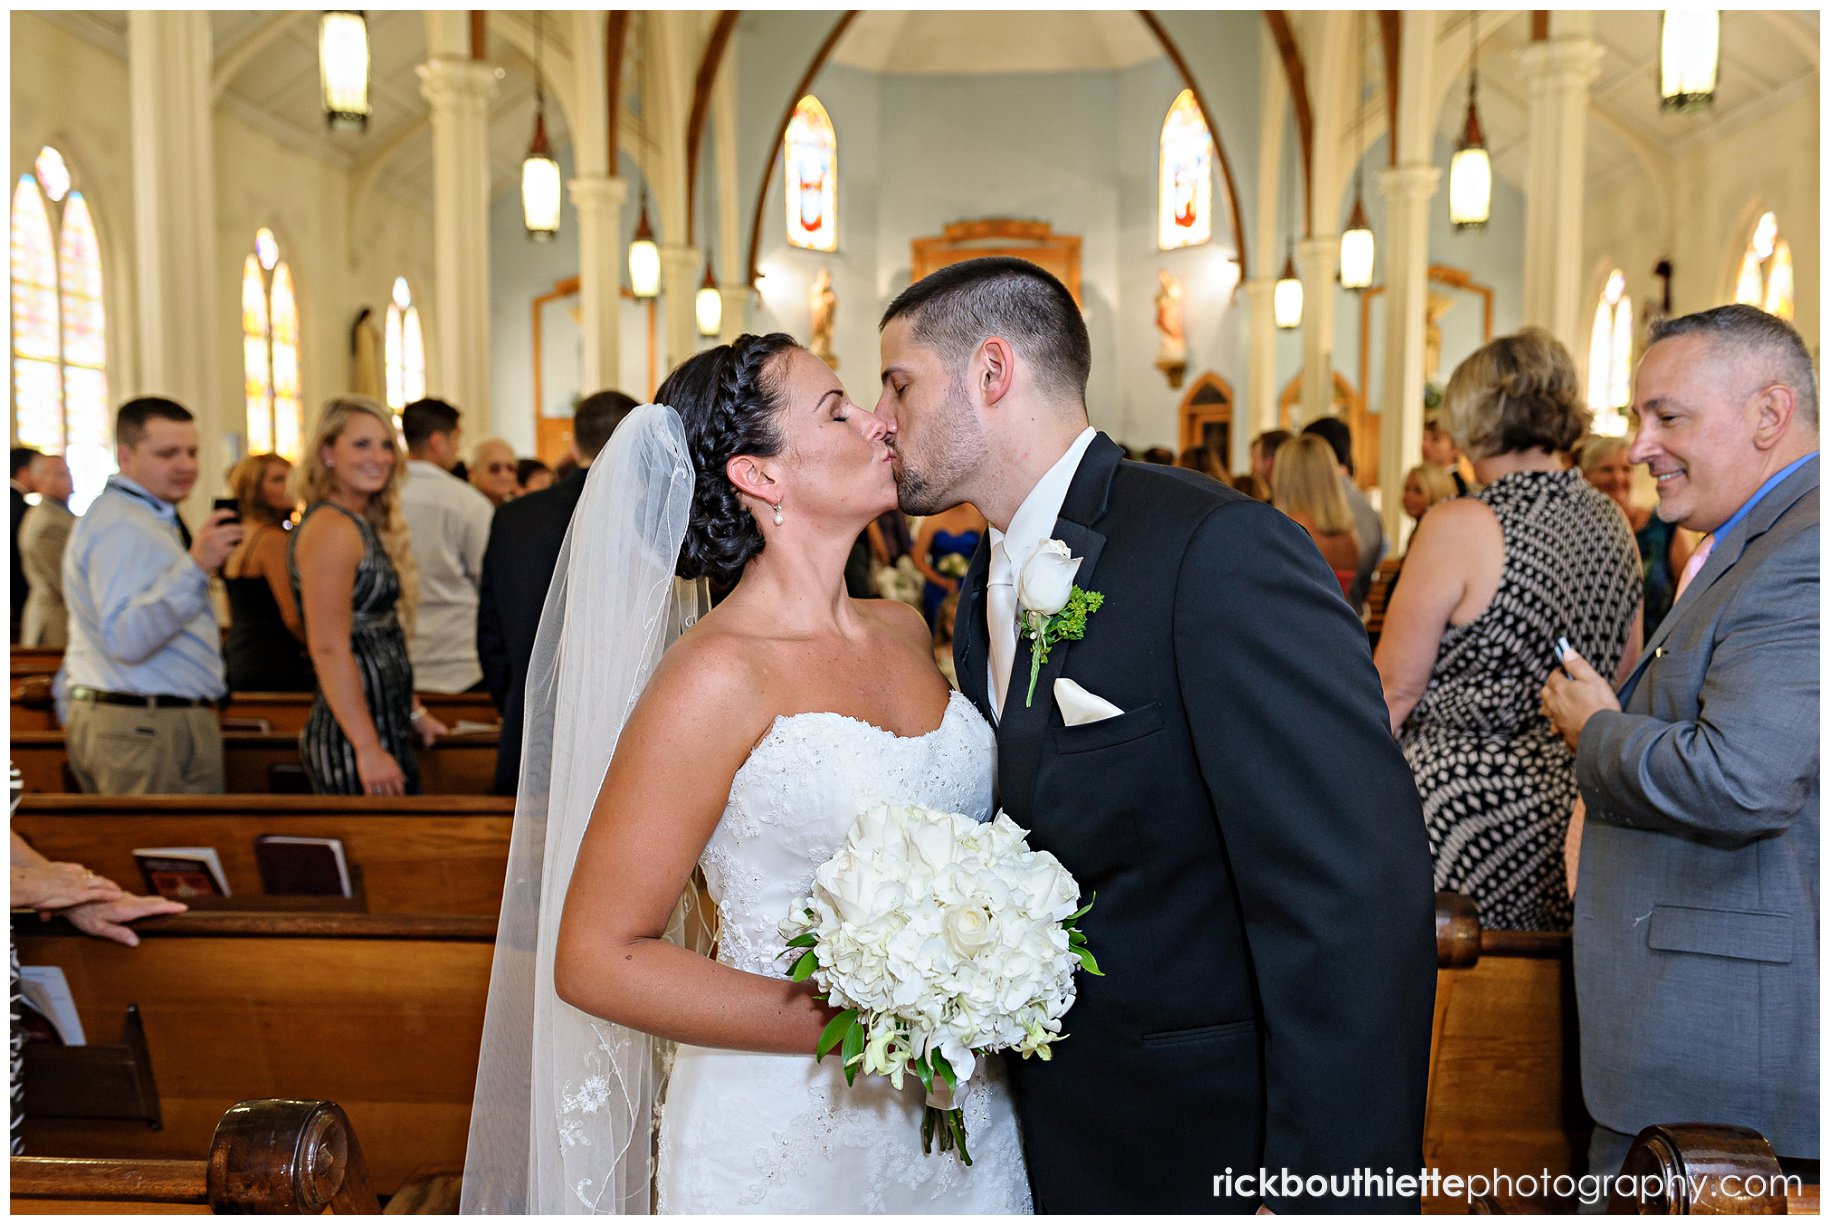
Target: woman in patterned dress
{"type": "Point", "coordinates": [1491, 582]}
{"type": "Point", "coordinates": [353, 578]}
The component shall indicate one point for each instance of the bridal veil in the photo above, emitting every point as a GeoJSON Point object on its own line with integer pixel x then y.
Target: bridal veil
{"type": "Point", "coordinates": [563, 1118]}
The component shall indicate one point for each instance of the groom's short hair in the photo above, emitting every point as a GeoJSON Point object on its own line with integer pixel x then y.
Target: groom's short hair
{"type": "Point", "coordinates": [952, 311]}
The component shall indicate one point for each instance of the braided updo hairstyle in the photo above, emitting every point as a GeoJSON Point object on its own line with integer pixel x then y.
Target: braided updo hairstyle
{"type": "Point", "coordinates": [728, 399]}
{"type": "Point", "coordinates": [1516, 393]}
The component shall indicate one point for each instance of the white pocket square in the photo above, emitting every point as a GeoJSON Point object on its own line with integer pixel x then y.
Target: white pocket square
{"type": "Point", "coordinates": [1080, 706]}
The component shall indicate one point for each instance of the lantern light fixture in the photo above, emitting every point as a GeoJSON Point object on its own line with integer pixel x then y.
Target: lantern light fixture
{"type": "Point", "coordinates": [540, 195]}
{"type": "Point", "coordinates": [644, 258]}
{"type": "Point", "coordinates": [1287, 296]}
{"type": "Point", "coordinates": [1357, 246]}
{"type": "Point", "coordinates": [708, 304]}
{"type": "Point", "coordinates": [1689, 53]}
{"type": "Point", "coordinates": [343, 68]}
{"type": "Point", "coordinates": [1471, 169]}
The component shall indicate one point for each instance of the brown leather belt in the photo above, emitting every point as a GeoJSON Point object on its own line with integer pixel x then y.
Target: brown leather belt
{"type": "Point", "coordinates": [145, 701]}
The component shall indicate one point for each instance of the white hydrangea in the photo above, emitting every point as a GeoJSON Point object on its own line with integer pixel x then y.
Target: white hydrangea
{"type": "Point", "coordinates": [944, 934]}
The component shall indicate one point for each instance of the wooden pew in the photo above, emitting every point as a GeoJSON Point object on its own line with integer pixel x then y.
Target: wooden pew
{"type": "Point", "coordinates": [36, 661]}
{"type": "Point", "coordinates": [1505, 1090]}
{"type": "Point", "coordinates": [1714, 1169]}
{"type": "Point", "coordinates": [272, 1156]}
{"type": "Point", "coordinates": [379, 1013]}
{"type": "Point", "coordinates": [32, 709]}
{"type": "Point", "coordinates": [417, 854]}
{"type": "Point", "coordinates": [260, 762]}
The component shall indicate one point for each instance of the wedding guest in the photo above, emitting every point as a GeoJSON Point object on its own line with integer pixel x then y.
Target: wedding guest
{"type": "Point", "coordinates": [1663, 547]}
{"type": "Point", "coordinates": [890, 538]}
{"type": "Point", "coordinates": [1202, 459]}
{"type": "Point", "coordinates": [531, 476]}
{"type": "Point", "coordinates": [21, 466]}
{"type": "Point", "coordinates": [42, 539]}
{"type": "Point", "coordinates": [1305, 486]}
{"type": "Point", "coordinates": [1251, 486]}
{"type": "Point", "coordinates": [1440, 449]}
{"type": "Point", "coordinates": [1264, 453]}
{"type": "Point", "coordinates": [143, 669]}
{"type": "Point", "coordinates": [1160, 455]}
{"type": "Point", "coordinates": [492, 470]}
{"type": "Point", "coordinates": [1367, 524]}
{"type": "Point", "coordinates": [447, 531]}
{"type": "Point", "coordinates": [943, 638]}
{"type": "Point", "coordinates": [1491, 582]}
{"type": "Point", "coordinates": [943, 549]}
{"type": "Point", "coordinates": [1425, 486]}
{"type": "Point", "coordinates": [1698, 916]}
{"type": "Point", "coordinates": [265, 650]}
{"type": "Point", "coordinates": [354, 579]}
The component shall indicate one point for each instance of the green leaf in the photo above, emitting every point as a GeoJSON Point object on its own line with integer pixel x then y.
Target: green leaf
{"type": "Point", "coordinates": [804, 968]}
{"type": "Point", "coordinates": [1073, 918]}
{"type": "Point", "coordinates": [943, 1069]}
{"type": "Point", "coordinates": [853, 1048]}
{"type": "Point", "coordinates": [1088, 964]}
{"type": "Point", "coordinates": [926, 1075]}
{"type": "Point", "coordinates": [834, 1032]}
{"type": "Point", "coordinates": [805, 940]}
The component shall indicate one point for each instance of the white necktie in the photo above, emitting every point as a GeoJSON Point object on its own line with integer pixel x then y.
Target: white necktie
{"type": "Point", "coordinates": [1001, 619]}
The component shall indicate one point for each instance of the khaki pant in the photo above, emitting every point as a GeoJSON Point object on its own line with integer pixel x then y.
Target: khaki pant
{"type": "Point", "coordinates": [126, 750]}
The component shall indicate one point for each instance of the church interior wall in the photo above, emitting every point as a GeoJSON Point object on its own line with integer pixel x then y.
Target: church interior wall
{"type": "Point", "coordinates": [521, 269]}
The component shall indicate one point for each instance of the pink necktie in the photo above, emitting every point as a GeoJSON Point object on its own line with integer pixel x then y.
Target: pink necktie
{"type": "Point", "coordinates": [1695, 564]}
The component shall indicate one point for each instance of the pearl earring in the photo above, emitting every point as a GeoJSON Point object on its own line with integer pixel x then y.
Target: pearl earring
{"type": "Point", "coordinates": [778, 514]}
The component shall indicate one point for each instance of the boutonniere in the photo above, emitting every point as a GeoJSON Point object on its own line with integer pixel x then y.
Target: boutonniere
{"type": "Point", "coordinates": [1050, 608]}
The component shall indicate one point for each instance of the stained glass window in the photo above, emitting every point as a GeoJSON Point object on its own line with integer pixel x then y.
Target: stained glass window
{"type": "Point", "coordinates": [1765, 279]}
{"type": "Point", "coordinates": [60, 352]}
{"type": "Point", "coordinates": [1611, 357]}
{"type": "Point", "coordinates": [270, 350]}
{"type": "Point", "coordinates": [1185, 177]}
{"type": "Point", "coordinates": [811, 153]}
{"type": "Point", "coordinates": [404, 348]}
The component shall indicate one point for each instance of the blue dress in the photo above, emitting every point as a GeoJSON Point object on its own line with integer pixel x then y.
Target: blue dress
{"type": "Point", "coordinates": [946, 544]}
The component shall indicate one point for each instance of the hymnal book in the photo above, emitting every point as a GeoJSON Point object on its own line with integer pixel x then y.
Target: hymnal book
{"type": "Point", "coordinates": [46, 991]}
{"type": "Point", "coordinates": [474, 727]}
{"type": "Point", "coordinates": [182, 872]}
{"type": "Point", "coordinates": [315, 867]}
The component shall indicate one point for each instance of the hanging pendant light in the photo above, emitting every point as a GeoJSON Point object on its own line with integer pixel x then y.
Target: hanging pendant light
{"type": "Point", "coordinates": [1471, 170]}
{"type": "Point", "coordinates": [343, 68]}
{"type": "Point", "coordinates": [540, 194]}
{"type": "Point", "coordinates": [1689, 50]}
{"type": "Point", "coordinates": [708, 304]}
{"type": "Point", "coordinates": [644, 258]}
{"type": "Point", "coordinates": [1287, 296]}
{"type": "Point", "coordinates": [1357, 245]}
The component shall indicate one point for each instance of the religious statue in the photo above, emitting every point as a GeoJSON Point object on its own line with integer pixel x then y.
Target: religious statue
{"type": "Point", "coordinates": [366, 375]}
{"type": "Point", "coordinates": [1436, 305]}
{"type": "Point", "coordinates": [1172, 349]}
{"type": "Point", "coordinates": [822, 303]}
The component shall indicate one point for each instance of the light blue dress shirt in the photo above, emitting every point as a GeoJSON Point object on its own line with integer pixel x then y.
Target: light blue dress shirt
{"type": "Point", "coordinates": [140, 613]}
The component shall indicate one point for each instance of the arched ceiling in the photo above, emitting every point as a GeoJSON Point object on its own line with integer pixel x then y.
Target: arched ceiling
{"type": "Point", "coordinates": [972, 42]}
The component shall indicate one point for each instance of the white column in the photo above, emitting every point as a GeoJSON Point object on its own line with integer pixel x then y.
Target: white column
{"type": "Point", "coordinates": [682, 271]}
{"type": "Point", "coordinates": [598, 201]}
{"type": "Point", "coordinates": [1261, 360]}
{"type": "Point", "coordinates": [736, 318]}
{"type": "Point", "coordinates": [1408, 191]}
{"type": "Point", "coordinates": [1557, 75]}
{"type": "Point", "coordinates": [1317, 260]}
{"type": "Point", "coordinates": [177, 268]}
{"type": "Point", "coordinates": [459, 92]}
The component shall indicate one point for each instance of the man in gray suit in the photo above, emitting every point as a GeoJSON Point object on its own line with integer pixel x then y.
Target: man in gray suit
{"type": "Point", "coordinates": [1696, 940]}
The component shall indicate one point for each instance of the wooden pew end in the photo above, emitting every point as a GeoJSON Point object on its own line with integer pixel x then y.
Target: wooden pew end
{"type": "Point", "coordinates": [1685, 1168]}
{"type": "Point", "coordinates": [287, 1156]}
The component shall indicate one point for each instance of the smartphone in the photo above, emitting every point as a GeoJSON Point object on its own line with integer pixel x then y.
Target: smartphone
{"type": "Point", "coordinates": [228, 504]}
{"type": "Point", "coordinates": [1563, 648]}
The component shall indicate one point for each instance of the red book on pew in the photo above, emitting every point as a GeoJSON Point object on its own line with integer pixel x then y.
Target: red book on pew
{"type": "Point", "coordinates": [314, 867]}
{"type": "Point", "coordinates": [182, 872]}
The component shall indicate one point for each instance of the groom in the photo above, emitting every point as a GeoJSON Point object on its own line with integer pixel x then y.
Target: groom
{"type": "Point", "coordinates": [1265, 915]}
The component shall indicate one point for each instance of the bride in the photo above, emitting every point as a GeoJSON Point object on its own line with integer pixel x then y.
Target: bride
{"type": "Point", "coordinates": [624, 1069]}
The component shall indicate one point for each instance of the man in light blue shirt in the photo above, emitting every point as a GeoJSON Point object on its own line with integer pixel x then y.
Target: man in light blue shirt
{"type": "Point", "coordinates": [143, 670]}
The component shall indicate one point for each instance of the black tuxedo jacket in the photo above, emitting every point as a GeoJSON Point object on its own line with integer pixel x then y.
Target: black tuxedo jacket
{"type": "Point", "coordinates": [524, 541]}
{"type": "Point", "coordinates": [20, 586]}
{"type": "Point", "coordinates": [1265, 917]}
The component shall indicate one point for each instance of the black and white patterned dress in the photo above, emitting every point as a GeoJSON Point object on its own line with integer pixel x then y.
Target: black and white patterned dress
{"type": "Point", "coordinates": [380, 648]}
{"type": "Point", "coordinates": [1497, 781]}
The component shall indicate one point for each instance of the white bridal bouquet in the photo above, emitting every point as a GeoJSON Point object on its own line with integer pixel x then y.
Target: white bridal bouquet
{"type": "Point", "coordinates": [941, 940]}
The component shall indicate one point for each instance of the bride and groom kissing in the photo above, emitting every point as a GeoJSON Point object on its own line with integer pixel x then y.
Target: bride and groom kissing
{"type": "Point", "coordinates": [1211, 761]}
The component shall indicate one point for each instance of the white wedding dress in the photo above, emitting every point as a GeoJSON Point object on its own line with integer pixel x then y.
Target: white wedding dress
{"type": "Point", "coordinates": [743, 1132]}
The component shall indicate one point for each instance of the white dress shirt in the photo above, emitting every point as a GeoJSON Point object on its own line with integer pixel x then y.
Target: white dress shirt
{"type": "Point", "coordinates": [447, 530]}
{"type": "Point", "coordinates": [1034, 523]}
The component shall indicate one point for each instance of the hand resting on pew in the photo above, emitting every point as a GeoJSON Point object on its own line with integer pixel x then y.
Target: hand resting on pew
{"type": "Point", "coordinates": [93, 904]}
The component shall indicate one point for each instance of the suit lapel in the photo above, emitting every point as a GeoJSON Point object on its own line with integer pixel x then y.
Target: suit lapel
{"type": "Point", "coordinates": [971, 640]}
{"type": "Point", "coordinates": [1723, 557]}
{"type": "Point", "coordinates": [1022, 729]}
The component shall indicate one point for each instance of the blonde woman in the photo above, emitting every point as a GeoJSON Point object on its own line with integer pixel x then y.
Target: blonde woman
{"type": "Point", "coordinates": [265, 650]}
{"type": "Point", "coordinates": [1425, 486]}
{"type": "Point", "coordinates": [353, 578]}
{"type": "Point", "coordinates": [1306, 485]}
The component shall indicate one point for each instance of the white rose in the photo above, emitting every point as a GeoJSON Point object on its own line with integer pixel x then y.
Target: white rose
{"type": "Point", "coordinates": [1047, 579]}
{"type": "Point", "coordinates": [968, 929]}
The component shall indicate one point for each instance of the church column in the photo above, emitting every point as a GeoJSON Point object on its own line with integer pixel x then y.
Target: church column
{"type": "Point", "coordinates": [1317, 263]}
{"type": "Point", "coordinates": [682, 272]}
{"type": "Point", "coordinates": [1557, 75]}
{"type": "Point", "coordinates": [1408, 190]}
{"type": "Point", "coordinates": [177, 267]}
{"type": "Point", "coordinates": [598, 200]}
{"type": "Point", "coordinates": [1261, 361]}
{"type": "Point", "coordinates": [735, 321]}
{"type": "Point", "coordinates": [459, 92]}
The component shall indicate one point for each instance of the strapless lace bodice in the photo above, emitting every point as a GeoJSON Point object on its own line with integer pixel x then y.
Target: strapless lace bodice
{"type": "Point", "coordinates": [797, 795]}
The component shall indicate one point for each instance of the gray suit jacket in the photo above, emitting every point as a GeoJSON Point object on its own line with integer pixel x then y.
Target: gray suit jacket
{"type": "Point", "coordinates": [42, 536]}
{"type": "Point", "coordinates": [1696, 938]}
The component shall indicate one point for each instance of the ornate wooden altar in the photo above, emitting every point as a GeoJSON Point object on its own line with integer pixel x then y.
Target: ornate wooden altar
{"type": "Point", "coordinates": [1035, 241]}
